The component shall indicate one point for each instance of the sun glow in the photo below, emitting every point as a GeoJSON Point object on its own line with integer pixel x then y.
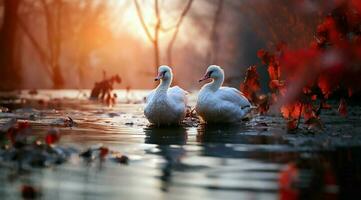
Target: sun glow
{"type": "Point", "coordinates": [128, 20]}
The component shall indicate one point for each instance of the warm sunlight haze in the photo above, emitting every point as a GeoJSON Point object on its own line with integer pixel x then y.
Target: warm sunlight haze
{"type": "Point", "coordinates": [180, 99]}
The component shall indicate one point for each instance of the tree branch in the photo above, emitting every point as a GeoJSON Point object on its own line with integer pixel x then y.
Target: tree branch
{"type": "Point", "coordinates": [50, 30]}
{"type": "Point", "coordinates": [141, 19]}
{"type": "Point", "coordinates": [212, 54]}
{"type": "Point", "coordinates": [177, 26]}
{"type": "Point", "coordinates": [156, 35]}
{"type": "Point", "coordinates": [41, 53]}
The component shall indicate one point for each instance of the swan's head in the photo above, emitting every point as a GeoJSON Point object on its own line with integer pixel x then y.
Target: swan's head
{"type": "Point", "coordinates": [164, 73]}
{"type": "Point", "coordinates": [213, 72]}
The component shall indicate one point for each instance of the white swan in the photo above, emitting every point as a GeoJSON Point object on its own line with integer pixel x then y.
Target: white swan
{"type": "Point", "coordinates": [216, 104]}
{"type": "Point", "coordinates": [164, 105]}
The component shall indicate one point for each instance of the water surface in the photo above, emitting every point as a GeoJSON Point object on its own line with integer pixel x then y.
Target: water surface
{"type": "Point", "coordinates": [243, 161]}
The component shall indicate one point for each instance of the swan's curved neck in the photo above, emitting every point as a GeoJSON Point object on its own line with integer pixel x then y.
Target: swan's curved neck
{"type": "Point", "coordinates": [216, 83]}
{"type": "Point", "coordinates": [164, 85]}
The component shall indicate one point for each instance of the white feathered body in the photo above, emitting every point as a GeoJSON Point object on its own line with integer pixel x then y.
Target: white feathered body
{"type": "Point", "coordinates": [224, 105]}
{"type": "Point", "coordinates": [166, 106]}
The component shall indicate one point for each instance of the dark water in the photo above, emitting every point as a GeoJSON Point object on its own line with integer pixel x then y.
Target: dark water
{"type": "Point", "coordinates": [253, 160]}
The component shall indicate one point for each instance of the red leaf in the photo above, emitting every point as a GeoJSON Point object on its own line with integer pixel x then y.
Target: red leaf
{"type": "Point", "coordinates": [251, 84]}
{"type": "Point", "coordinates": [291, 111]}
{"type": "Point", "coordinates": [324, 85]}
{"type": "Point", "coordinates": [274, 72]}
{"type": "Point", "coordinates": [276, 85]}
{"type": "Point", "coordinates": [103, 152]}
{"type": "Point", "coordinates": [23, 125]}
{"type": "Point", "coordinates": [52, 137]}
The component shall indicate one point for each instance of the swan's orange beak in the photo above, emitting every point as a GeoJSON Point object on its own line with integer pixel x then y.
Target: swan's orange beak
{"type": "Point", "coordinates": [159, 76]}
{"type": "Point", "coordinates": [205, 77]}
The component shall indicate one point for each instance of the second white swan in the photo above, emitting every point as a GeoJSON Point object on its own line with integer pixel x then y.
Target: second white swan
{"type": "Point", "coordinates": [217, 104]}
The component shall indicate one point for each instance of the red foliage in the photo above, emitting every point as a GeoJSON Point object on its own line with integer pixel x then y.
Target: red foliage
{"type": "Point", "coordinates": [18, 132]}
{"type": "Point", "coordinates": [52, 137]}
{"type": "Point", "coordinates": [308, 112]}
{"type": "Point", "coordinates": [301, 78]}
{"type": "Point", "coordinates": [265, 56]}
{"type": "Point", "coordinates": [291, 111]}
{"type": "Point", "coordinates": [251, 84]}
{"type": "Point", "coordinates": [23, 125]}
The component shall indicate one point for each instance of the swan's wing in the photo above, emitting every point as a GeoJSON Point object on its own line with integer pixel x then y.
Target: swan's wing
{"type": "Point", "coordinates": [150, 96]}
{"type": "Point", "coordinates": [177, 94]}
{"type": "Point", "coordinates": [233, 95]}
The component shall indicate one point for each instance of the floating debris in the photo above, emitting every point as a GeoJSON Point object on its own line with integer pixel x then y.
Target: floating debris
{"type": "Point", "coordinates": [122, 159]}
{"type": "Point", "coordinates": [66, 122]}
{"type": "Point", "coordinates": [33, 92]}
{"type": "Point", "coordinates": [20, 146]}
{"type": "Point", "coordinates": [29, 192]}
{"type": "Point", "coordinates": [101, 152]}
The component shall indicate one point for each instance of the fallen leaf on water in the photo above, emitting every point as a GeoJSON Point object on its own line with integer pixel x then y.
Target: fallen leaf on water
{"type": "Point", "coordinates": [29, 192]}
{"type": "Point", "coordinates": [53, 136]}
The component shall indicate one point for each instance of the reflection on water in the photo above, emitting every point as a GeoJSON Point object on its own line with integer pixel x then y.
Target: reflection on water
{"type": "Point", "coordinates": [165, 135]}
{"type": "Point", "coordinates": [246, 161]}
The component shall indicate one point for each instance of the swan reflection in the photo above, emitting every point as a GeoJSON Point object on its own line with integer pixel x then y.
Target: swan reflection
{"type": "Point", "coordinates": [165, 135]}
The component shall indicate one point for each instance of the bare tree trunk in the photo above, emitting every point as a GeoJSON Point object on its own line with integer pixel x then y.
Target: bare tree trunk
{"type": "Point", "coordinates": [10, 77]}
{"type": "Point", "coordinates": [43, 57]}
{"type": "Point", "coordinates": [156, 36]}
{"type": "Point", "coordinates": [212, 55]}
{"type": "Point", "coordinates": [83, 49]}
{"type": "Point", "coordinates": [175, 34]}
{"type": "Point", "coordinates": [154, 40]}
{"type": "Point", "coordinates": [156, 55]}
{"type": "Point", "coordinates": [53, 29]}
{"type": "Point", "coordinates": [58, 79]}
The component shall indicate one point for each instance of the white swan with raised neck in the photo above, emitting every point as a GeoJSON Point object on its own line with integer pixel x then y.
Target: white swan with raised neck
{"type": "Point", "coordinates": [217, 104]}
{"type": "Point", "coordinates": [165, 105]}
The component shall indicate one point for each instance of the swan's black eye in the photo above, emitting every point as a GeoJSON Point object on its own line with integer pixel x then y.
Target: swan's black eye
{"type": "Point", "coordinates": [210, 73]}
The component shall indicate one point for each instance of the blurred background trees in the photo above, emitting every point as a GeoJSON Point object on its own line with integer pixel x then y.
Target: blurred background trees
{"type": "Point", "coordinates": [50, 34]}
{"type": "Point", "coordinates": [69, 43]}
{"type": "Point", "coordinates": [8, 44]}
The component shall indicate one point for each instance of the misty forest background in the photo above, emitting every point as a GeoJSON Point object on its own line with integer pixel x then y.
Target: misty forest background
{"type": "Point", "coordinates": [69, 43]}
